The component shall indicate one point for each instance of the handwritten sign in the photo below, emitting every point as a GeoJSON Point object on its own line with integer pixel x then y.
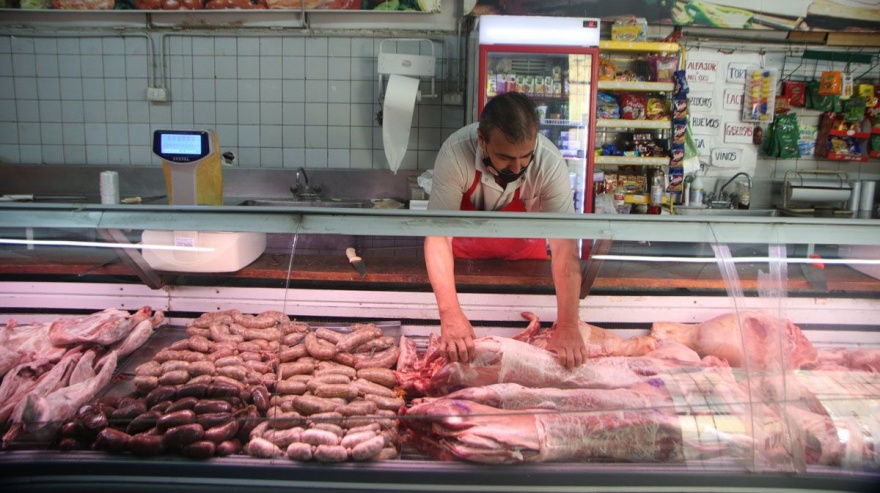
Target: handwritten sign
{"type": "Point", "coordinates": [738, 133]}
{"type": "Point", "coordinates": [726, 157]}
{"type": "Point", "coordinates": [736, 72]}
{"type": "Point", "coordinates": [701, 71]}
{"type": "Point", "coordinates": [733, 99]}
{"type": "Point", "coordinates": [701, 101]}
{"type": "Point", "coordinates": [703, 144]}
{"type": "Point", "coordinates": [705, 124]}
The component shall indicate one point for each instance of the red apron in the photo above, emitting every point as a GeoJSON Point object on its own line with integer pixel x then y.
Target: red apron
{"type": "Point", "coordinates": [500, 248]}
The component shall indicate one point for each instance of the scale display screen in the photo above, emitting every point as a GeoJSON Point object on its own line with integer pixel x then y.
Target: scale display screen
{"type": "Point", "coordinates": [181, 146]}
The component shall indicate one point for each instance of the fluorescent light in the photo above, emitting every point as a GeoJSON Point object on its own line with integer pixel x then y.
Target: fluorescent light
{"type": "Point", "coordinates": [95, 244]}
{"type": "Point", "coordinates": [738, 260]}
{"type": "Point", "coordinates": [538, 30]}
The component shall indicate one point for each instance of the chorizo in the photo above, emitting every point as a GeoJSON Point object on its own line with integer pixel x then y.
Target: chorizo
{"type": "Point", "coordinates": [367, 449]}
{"type": "Point", "coordinates": [259, 366]}
{"type": "Point", "coordinates": [291, 387]}
{"type": "Point", "coordinates": [234, 372]}
{"type": "Point", "coordinates": [232, 360]}
{"type": "Point", "coordinates": [366, 387]}
{"type": "Point", "coordinates": [205, 379]}
{"type": "Point", "coordinates": [346, 359]}
{"type": "Point", "coordinates": [255, 322]}
{"type": "Point", "coordinates": [384, 359]}
{"type": "Point", "coordinates": [318, 348]}
{"type": "Point", "coordinates": [314, 436]}
{"type": "Point", "coordinates": [174, 364]}
{"type": "Point", "coordinates": [335, 369]}
{"type": "Point", "coordinates": [176, 377]}
{"type": "Point", "coordinates": [286, 370]}
{"type": "Point", "coordinates": [344, 391]}
{"type": "Point", "coordinates": [309, 404]}
{"type": "Point", "coordinates": [292, 353]}
{"type": "Point", "coordinates": [330, 453]}
{"type": "Point", "coordinates": [149, 369]}
{"type": "Point", "coordinates": [357, 337]}
{"type": "Point", "coordinates": [199, 344]}
{"type": "Point", "coordinates": [262, 334]}
{"type": "Point", "coordinates": [299, 451]}
{"type": "Point", "coordinates": [374, 345]}
{"type": "Point", "coordinates": [222, 333]}
{"type": "Point", "coordinates": [221, 352]}
{"type": "Point", "coordinates": [293, 338]}
{"type": "Point", "coordinates": [201, 368]}
{"type": "Point", "coordinates": [183, 355]}
{"type": "Point", "coordinates": [358, 408]}
{"type": "Point", "coordinates": [262, 448]}
{"type": "Point", "coordinates": [145, 383]}
{"type": "Point", "coordinates": [381, 376]}
{"type": "Point", "coordinates": [328, 335]}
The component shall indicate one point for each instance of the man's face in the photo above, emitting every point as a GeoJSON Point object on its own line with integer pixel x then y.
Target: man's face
{"type": "Point", "coordinates": [508, 157]}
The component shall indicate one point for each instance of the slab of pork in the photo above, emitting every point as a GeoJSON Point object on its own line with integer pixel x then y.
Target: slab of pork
{"type": "Point", "coordinates": [104, 327]}
{"type": "Point", "coordinates": [598, 341]}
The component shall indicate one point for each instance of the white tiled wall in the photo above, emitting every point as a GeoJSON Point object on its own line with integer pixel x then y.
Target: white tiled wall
{"type": "Point", "coordinates": [275, 100]}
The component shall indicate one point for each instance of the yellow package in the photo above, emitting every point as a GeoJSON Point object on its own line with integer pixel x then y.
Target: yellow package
{"type": "Point", "coordinates": [867, 92]}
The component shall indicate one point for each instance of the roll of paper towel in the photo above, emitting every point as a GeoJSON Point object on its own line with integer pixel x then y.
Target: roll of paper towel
{"type": "Point", "coordinates": [816, 191]}
{"type": "Point", "coordinates": [401, 95]}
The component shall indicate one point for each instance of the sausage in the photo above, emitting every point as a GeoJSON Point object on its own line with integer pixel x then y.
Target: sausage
{"type": "Point", "coordinates": [258, 430]}
{"type": "Point", "coordinates": [250, 356]}
{"type": "Point", "coordinates": [169, 355]}
{"type": "Point", "coordinates": [221, 352]}
{"type": "Point", "coordinates": [330, 453]}
{"type": "Point", "coordinates": [283, 438]}
{"type": "Point", "coordinates": [145, 383]}
{"type": "Point", "coordinates": [181, 344]}
{"type": "Point", "coordinates": [358, 408]}
{"type": "Point", "coordinates": [129, 412]}
{"type": "Point", "coordinates": [292, 353]}
{"type": "Point", "coordinates": [335, 369]}
{"type": "Point", "coordinates": [299, 451]}
{"type": "Point", "coordinates": [319, 348]}
{"type": "Point", "coordinates": [384, 359]}
{"type": "Point", "coordinates": [212, 420]}
{"type": "Point", "coordinates": [352, 439]}
{"type": "Point", "coordinates": [268, 334]}
{"type": "Point", "coordinates": [346, 359]}
{"type": "Point", "coordinates": [259, 447]}
{"type": "Point", "coordinates": [177, 418]}
{"type": "Point", "coordinates": [260, 398]}
{"type": "Point", "coordinates": [192, 330]}
{"type": "Point", "coordinates": [192, 389]}
{"type": "Point", "coordinates": [199, 343]}
{"type": "Point", "coordinates": [309, 404]}
{"type": "Point", "coordinates": [293, 338]}
{"type": "Point", "coordinates": [202, 449]}
{"type": "Point", "coordinates": [159, 394]}
{"type": "Point", "coordinates": [144, 445]}
{"type": "Point", "coordinates": [387, 453]}
{"type": "Point", "coordinates": [175, 377]}
{"type": "Point", "coordinates": [365, 387]}
{"type": "Point", "coordinates": [381, 376]}
{"type": "Point", "coordinates": [289, 387]}
{"type": "Point", "coordinates": [388, 403]}
{"type": "Point", "coordinates": [182, 403]}
{"type": "Point", "coordinates": [367, 449]}
{"type": "Point", "coordinates": [235, 372]}
{"type": "Point", "coordinates": [231, 360]}
{"type": "Point", "coordinates": [258, 366]}
{"type": "Point", "coordinates": [332, 428]}
{"type": "Point", "coordinates": [222, 433]}
{"type": "Point", "coordinates": [286, 370]}
{"type": "Point", "coordinates": [377, 344]}
{"type": "Point", "coordinates": [212, 406]}
{"type": "Point", "coordinates": [229, 447]}
{"type": "Point", "coordinates": [357, 337]}
{"type": "Point", "coordinates": [345, 391]}
{"type": "Point", "coordinates": [183, 435]}
{"type": "Point", "coordinates": [205, 379]}
{"type": "Point", "coordinates": [285, 420]}
{"type": "Point", "coordinates": [223, 389]}
{"type": "Point", "coordinates": [201, 368]}
{"type": "Point", "coordinates": [255, 322]}
{"type": "Point", "coordinates": [328, 335]}
{"type": "Point", "coordinates": [174, 364]}
{"type": "Point", "coordinates": [113, 441]}
{"type": "Point", "coordinates": [374, 427]}
{"type": "Point", "coordinates": [149, 369]}
{"type": "Point", "coordinates": [251, 420]}
{"type": "Point", "coordinates": [222, 333]}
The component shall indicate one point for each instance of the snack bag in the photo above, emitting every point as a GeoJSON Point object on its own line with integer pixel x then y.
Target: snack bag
{"type": "Point", "coordinates": [853, 109]}
{"type": "Point", "coordinates": [607, 107]}
{"type": "Point", "coordinates": [679, 130]}
{"type": "Point", "coordinates": [679, 77]}
{"type": "Point", "coordinates": [655, 109]}
{"type": "Point", "coordinates": [816, 101]}
{"type": "Point", "coordinates": [632, 106]}
{"type": "Point", "coordinates": [796, 92]}
{"type": "Point", "coordinates": [679, 106]}
{"type": "Point", "coordinates": [661, 67]}
{"type": "Point", "coordinates": [831, 83]}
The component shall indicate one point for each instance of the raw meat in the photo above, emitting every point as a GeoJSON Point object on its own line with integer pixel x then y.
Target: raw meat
{"type": "Point", "coordinates": [864, 359]}
{"type": "Point", "coordinates": [453, 428]}
{"type": "Point", "coordinates": [30, 378]}
{"type": "Point", "coordinates": [41, 416]}
{"type": "Point", "coordinates": [755, 337]}
{"type": "Point", "coordinates": [675, 351]}
{"type": "Point", "coordinates": [32, 342]}
{"type": "Point", "coordinates": [104, 328]}
{"type": "Point", "coordinates": [599, 342]}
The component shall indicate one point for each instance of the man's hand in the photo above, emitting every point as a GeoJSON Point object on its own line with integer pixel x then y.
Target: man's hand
{"type": "Point", "coordinates": [568, 345]}
{"type": "Point", "coordinates": [457, 338]}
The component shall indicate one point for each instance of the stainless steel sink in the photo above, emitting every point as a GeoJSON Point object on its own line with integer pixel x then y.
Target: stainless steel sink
{"type": "Point", "coordinates": [306, 203]}
{"type": "Point", "coordinates": [705, 211]}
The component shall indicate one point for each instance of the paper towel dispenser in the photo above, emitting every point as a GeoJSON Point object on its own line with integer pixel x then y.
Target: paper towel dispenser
{"type": "Point", "coordinates": [813, 192]}
{"type": "Point", "coordinates": [405, 64]}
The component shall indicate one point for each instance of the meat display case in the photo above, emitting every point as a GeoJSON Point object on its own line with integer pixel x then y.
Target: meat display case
{"type": "Point", "coordinates": [69, 259]}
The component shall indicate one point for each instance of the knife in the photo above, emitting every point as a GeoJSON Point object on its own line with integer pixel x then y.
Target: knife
{"type": "Point", "coordinates": [815, 273]}
{"type": "Point", "coordinates": [140, 200]}
{"type": "Point", "coordinates": [356, 261]}
{"type": "Point", "coordinates": [30, 197]}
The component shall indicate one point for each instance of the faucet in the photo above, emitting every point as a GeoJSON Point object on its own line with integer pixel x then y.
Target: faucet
{"type": "Point", "coordinates": [737, 200]}
{"type": "Point", "coordinates": [301, 188]}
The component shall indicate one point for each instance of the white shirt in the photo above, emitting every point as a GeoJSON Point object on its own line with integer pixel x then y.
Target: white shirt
{"type": "Point", "coordinates": [545, 186]}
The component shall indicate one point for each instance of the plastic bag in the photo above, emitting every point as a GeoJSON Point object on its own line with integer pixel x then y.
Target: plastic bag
{"type": "Point", "coordinates": [782, 138]}
{"type": "Point", "coordinates": [831, 83]}
{"type": "Point", "coordinates": [425, 180]}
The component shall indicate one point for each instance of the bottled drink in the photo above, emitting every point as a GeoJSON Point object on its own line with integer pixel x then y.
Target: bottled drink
{"type": "Point", "coordinates": [619, 197]}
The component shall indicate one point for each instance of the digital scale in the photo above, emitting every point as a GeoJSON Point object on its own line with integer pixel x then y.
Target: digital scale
{"type": "Point", "coordinates": [192, 164]}
{"type": "Point", "coordinates": [194, 176]}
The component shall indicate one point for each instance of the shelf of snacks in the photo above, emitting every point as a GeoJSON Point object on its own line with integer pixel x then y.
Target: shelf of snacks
{"type": "Point", "coordinates": [849, 133]}
{"type": "Point", "coordinates": [635, 85]}
{"type": "Point", "coordinates": [634, 124]}
{"type": "Point", "coordinates": [562, 123]}
{"type": "Point", "coordinates": [633, 160]}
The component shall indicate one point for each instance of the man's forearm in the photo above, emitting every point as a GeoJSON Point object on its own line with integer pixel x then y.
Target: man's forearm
{"type": "Point", "coordinates": [566, 270]}
{"type": "Point", "coordinates": [441, 272]}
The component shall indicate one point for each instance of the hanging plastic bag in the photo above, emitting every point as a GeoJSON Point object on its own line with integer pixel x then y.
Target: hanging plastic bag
{"type": "Point", "coordinates": [782, 138]}
{"type": "Point", "coordinates": [817, 101]}
{"type": "Point", "coordinates": [831, 83]}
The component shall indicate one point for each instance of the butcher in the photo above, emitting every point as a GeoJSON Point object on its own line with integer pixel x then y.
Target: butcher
{"type": "Point", "coordinates": [503, 164]}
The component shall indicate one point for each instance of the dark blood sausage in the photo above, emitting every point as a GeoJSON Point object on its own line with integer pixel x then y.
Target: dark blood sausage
{"type": "Point", "coordinates": [202, 449]}
{"type": "Point", "coordinates": [181, 404]}
{"type": "Point", "coordinates": [132, 410]}
{"type": "Point", "coordinates": [183, 435]}
{"type": "Point", "coordinates": [177, 418]}
{"type": "Point", "coordinates": [222, 433]}
{"type": "Point", "coordinates": [260, 398]}
{"type": "Point", "coordinates": [212, 406]}
{"type": "Point", "coordinates": [210, 420]}
{"type": "Point", "coordinates": [143, 422]}
{"type": "Point", "coordinates": [146, 445]}
{"type": "Point", "coordinates": [229, 447]}
{"type": "Point", "coordinates": [197, 390]}
{"type": "Point", "coordinates": [159, 394]}
{"type": "Point", "coordinates": [223, 389]}
{"type": "Point", "coordinates": [113, 441]}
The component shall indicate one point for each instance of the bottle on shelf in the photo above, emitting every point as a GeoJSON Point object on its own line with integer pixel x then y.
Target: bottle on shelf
{"type": "Point", "coordinates": [657, 191]}
{"type": "Point", "coordinates": [697, 191]}
{"type": "Point", "coordinates": [620, 197]}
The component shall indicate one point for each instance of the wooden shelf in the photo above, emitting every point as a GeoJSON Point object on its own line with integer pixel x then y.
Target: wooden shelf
{"type": "Point", "coordinates": [632, 160]}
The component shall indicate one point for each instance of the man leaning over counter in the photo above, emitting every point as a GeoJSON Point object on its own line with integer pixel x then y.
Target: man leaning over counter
{"type": "Point", "coordinates": [503, 164]}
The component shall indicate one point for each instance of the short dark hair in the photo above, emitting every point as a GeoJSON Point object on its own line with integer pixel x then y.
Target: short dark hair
{"type": "Point", "coordinates": [513, 113]}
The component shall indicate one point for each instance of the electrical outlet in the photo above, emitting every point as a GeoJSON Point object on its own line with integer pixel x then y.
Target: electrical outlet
{"type": "Point", "coordinates": [453, 98]}
{"type": "Point", "coordinates": [157, 94]}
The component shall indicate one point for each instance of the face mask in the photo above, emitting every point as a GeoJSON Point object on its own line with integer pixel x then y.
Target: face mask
{"type": "Point", "coordinates": [504, 175]}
